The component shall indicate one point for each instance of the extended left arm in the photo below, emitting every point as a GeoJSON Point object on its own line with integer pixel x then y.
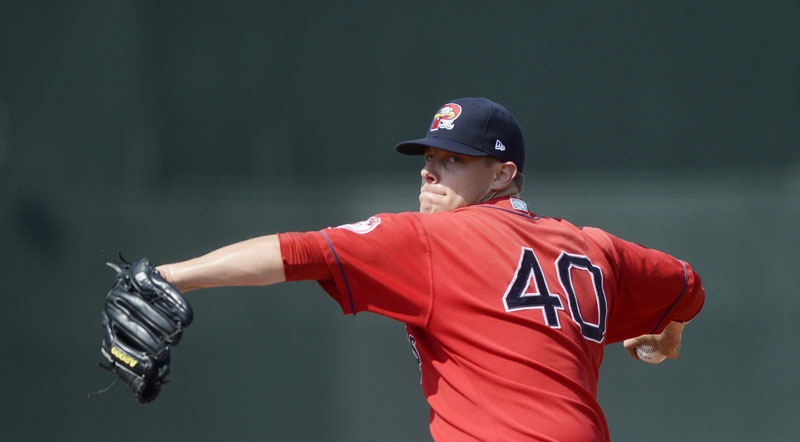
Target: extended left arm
{"type": "Point", "coordinates": [254, 262]}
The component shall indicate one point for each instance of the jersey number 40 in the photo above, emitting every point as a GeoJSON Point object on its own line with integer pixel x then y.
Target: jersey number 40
{"type": "Point", "coordinates": [517, 296]}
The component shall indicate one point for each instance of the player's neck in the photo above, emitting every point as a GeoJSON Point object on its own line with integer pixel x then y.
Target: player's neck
{"type": "Point", "coordinates": [510, 191]}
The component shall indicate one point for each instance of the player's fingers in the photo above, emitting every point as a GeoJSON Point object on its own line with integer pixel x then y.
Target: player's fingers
{"type": "Point", "coordinates": [631, 344]}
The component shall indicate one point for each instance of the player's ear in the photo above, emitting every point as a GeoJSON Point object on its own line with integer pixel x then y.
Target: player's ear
{"type": "Point", "coordinates": [504, 177]}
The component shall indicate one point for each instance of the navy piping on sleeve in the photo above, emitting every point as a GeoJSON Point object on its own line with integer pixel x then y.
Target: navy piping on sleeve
{"type": "Point", "coordinates": [341, 269]}
{"type": "Point", "coordinates": [685, 285]}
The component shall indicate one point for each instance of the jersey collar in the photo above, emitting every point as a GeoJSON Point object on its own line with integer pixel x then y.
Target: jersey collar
{"type": "Point", "coordinates": [509, 203]}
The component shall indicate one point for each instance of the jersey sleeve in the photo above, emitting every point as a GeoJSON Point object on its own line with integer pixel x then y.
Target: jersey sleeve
{"type": "Point", "coordinates": [381, 265]}
{"type": "Point", "coordinates": [302, 259]}
{"type": "Point", "coordinates": [653, 288]}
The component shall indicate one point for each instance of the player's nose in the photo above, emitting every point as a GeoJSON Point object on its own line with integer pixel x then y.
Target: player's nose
{"type": "Point", "coordinates": [427, 175]}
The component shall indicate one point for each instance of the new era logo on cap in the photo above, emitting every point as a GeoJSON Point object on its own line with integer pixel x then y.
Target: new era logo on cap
{"type": "Point", "coordinates": [498, 145]}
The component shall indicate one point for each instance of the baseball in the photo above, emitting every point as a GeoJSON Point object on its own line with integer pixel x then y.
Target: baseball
{"type": "Point", "coordinates": [649, 354]}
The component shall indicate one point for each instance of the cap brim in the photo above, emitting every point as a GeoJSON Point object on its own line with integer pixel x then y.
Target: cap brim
{"type": "Point", "coordinates": [417, 147]}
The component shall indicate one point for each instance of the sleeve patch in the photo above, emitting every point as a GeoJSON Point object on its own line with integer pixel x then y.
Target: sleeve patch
{"type": "Point", "coordinates": [363, 227]}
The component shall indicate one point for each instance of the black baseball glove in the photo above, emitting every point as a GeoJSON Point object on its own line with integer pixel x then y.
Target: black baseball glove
{"type": "Point", "coordinates": [144, 316]}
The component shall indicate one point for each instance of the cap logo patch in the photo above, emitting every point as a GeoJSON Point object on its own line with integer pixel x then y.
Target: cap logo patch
{"type": "Point", "coordinates": [445, 118]}
{"type": "Point", "coordinates": [498, 145]}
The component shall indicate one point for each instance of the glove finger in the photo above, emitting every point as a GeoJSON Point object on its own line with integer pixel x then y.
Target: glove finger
{"type": "Point", "coordinates": [120, 349]}
{"type": "Point", "coordinates": [132, 332]}
{"type": "Point", "coordinates": [177, 306]}
{"type": "Point", "coordinates": [141, 312]}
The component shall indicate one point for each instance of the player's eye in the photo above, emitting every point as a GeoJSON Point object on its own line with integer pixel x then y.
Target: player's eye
{"type": "Point", "coordinates": [428, 157]}
{"type": "Point", "coordinates": [453, 159]}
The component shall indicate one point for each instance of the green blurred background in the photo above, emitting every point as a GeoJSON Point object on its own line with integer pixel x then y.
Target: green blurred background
{"type": "Point", "coordinates": [169, 128]}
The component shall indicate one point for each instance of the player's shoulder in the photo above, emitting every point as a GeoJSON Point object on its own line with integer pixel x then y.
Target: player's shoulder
{"type": "Point", "coordinates": [381, 221]}
{"type": "Point", "coordinates": [588, 233]}
{"type": "Point", "coordinates": [595, 232]}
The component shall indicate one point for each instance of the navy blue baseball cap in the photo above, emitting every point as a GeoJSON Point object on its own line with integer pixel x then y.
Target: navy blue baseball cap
{"type": "Point", "coordinates": [472, 126]}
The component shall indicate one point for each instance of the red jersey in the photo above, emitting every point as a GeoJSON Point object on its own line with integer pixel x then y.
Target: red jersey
{"type": "Point", "coordinates": [508, 312]}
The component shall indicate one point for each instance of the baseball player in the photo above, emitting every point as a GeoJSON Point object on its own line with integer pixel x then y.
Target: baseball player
{"type": "Point", "coordinates": [507, 311]}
